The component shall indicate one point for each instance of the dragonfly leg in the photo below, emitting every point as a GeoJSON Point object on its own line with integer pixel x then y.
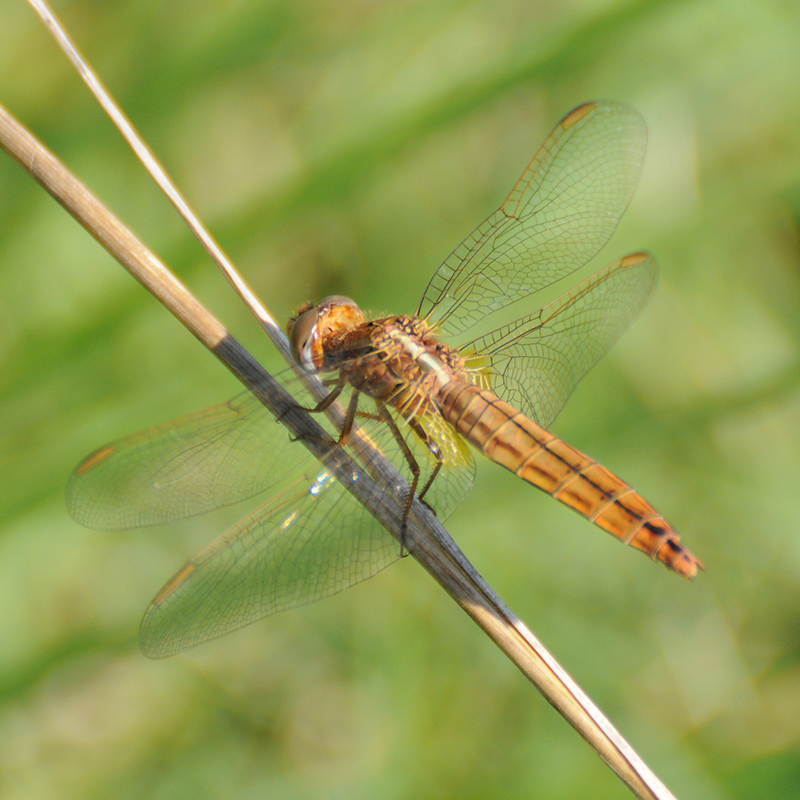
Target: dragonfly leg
{"type": "Point", "coordinates": [328, 401]}
{"type": "Point", "coordinates": [367, 415]}
{"type": "Point", "coordinates": [352, 410]}
{"type": "Point", "coordinates": [437, 454]}
{"type": "Point", "coordinates": [325, 403]}
{"type": "Point", "coordinates": [347, 426]}
{"type": "Point", "coordinates": [413, 465]}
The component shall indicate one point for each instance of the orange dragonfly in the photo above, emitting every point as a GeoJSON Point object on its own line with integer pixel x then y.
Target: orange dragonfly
{"type": "Point", "coordinates": [425, 398]}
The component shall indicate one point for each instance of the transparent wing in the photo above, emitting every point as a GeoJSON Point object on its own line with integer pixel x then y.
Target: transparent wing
{"type": "Point", "coordinates": [536, 362]}
{"type": "Point", "coordinates": [310, 541]}
{"type": "Point", "coordinates": [562, 211]}
{"type": "Point", "coordinates": [212, 458]}
{"type": "Point", "coordinates": [190, 465]}
{"type": "Point", "coordinates": [301, 546]}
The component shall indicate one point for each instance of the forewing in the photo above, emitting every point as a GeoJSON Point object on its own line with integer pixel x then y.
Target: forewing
{"type": "Point", "coordinates": [562, 211]}
{"type": "Point", "coordinates": [205, 460]}
{"type": "Point", "coordinates": [536, 362]}
{"type": "Point", "coordinates": [312, 540]}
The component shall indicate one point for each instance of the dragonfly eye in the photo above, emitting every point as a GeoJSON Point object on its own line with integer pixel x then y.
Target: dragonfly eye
{"type": "Point", "coordinates": [304, 336]}
{"type": "Point", "coordinates": [317, 327]}
{"type": "Point", "coordinates": [327, 303]}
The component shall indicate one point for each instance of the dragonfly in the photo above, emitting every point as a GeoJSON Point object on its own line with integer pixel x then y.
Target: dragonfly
{"type": "Point", "coordinates": [417, 399]}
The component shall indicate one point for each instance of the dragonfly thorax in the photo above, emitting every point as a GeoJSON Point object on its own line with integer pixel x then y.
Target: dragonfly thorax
{"type": "Point", "coordinates": [397, 360]}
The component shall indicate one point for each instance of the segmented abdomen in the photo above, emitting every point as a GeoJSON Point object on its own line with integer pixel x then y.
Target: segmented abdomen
{"type": "Point", "coordinates": [512, 440]}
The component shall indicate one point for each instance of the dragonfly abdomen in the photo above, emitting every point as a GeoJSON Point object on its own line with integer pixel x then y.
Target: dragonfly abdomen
{"type": "Point", "coordinates": [540, 458]}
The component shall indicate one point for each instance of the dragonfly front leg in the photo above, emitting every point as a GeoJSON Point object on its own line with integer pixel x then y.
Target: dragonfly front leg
{"type": "Point", "coordinates": [338, 385]}
{"type": "Point", "coordinates": [352, 411]}
{"type": "Point", "coordinates": [326, 403]}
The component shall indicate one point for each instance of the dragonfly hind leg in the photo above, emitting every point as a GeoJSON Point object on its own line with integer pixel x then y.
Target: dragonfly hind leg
{"type": "Point", "coordinates": [433, 447]}
{"type": "Point", "coordinates": [413, 465]}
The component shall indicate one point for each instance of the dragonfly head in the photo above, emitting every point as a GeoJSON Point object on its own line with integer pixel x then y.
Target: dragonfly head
{"type": "Point", "coordinates": [314, 328]}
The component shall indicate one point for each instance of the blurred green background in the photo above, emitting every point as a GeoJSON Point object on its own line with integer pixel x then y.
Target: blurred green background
{"type": "Point", "coordinates": [347, 146]}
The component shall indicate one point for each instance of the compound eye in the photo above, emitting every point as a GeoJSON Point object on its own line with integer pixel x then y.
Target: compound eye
{"type": "Point", "coordinates": [336, 300]}
{"type": "Point", "coordinates": [304, 336]}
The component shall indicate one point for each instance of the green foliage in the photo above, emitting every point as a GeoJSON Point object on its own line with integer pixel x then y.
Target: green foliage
{"type": "Point", "coordinates": [349, 146]}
